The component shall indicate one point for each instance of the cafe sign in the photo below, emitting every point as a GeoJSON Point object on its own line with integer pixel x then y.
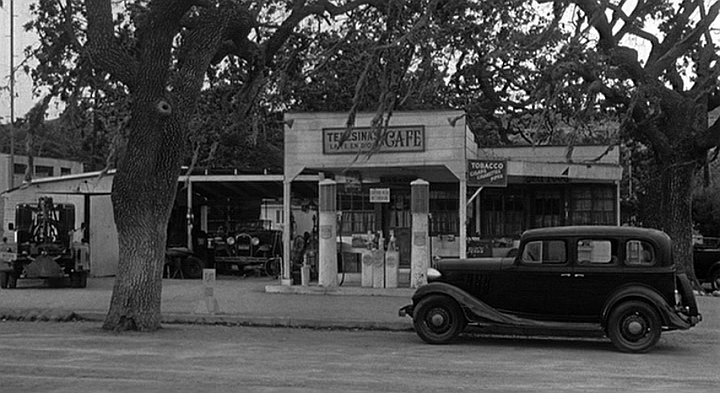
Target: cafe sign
{"type": "Point", "coordinates": [487, 173]}
{"type": "Point", "coordinates": [399, 139]}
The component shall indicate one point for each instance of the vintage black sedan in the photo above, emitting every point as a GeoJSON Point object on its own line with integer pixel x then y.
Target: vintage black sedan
{"type": "Point", "coordinates": [619, 281]}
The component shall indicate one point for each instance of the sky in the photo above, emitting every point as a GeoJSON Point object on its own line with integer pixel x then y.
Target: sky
{"type": "Point", "coordinates": [23, 86]}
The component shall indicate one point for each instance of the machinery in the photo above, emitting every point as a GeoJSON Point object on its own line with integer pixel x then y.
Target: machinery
{"type": "Point", "coordinates": [43, 247]}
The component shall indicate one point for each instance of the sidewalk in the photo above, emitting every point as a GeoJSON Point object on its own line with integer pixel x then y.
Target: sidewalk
{"type": "Point", "coordinates": [257, 301]}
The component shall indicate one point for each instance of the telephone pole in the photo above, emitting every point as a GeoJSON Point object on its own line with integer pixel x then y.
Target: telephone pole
{"type": "Point", "coordinates": [12, 94]}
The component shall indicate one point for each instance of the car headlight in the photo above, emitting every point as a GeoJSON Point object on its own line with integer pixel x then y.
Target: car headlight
{"type": "Point", "coordinates": [433, 274]}
{"type": "Point", "coordinates": [230, 241]}
{"type": "Point", "coordinates": [255, 241]}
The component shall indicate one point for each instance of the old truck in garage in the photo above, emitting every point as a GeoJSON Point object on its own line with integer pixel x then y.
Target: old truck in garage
{"type": "Point", "coordinates": [43, 247]}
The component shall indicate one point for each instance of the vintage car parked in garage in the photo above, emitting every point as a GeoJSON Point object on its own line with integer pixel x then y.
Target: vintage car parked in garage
{"type": "Point", "coordinates": [706, 257]}
{"type": "Point", "coordinates": [248, 248]}
{"type": "Point", "coordinates": [619, 281]}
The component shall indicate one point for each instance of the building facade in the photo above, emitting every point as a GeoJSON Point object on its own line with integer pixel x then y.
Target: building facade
{"type": "Point", "coordinates": [481, 198]}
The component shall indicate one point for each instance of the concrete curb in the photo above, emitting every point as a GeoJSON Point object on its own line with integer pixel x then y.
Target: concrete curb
{"type": "Point", "coordinates": [55, 315]}
{"type": "Point", "coordinates": [38, 314]}
{"type": "Point", "coordinates": [340, 291]}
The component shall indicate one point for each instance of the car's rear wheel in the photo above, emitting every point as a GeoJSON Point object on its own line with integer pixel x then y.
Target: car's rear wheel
{"type": "Point", "coordinates": [634, 326]}
{"type": "Point", "coordinates": [438, 319]}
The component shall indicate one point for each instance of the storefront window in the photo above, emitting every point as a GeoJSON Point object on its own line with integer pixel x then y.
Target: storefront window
{"type": "Point", "coordinates": [593, 205]}
{"type": "Point", "coordinates": [548, 208]}
{"type": "Point", "coordinates": [444, 210]}
{"type": "Point", "coordinates": [400, 211]}
{"type": "Point", "coordinates": [358, 214]}
{"type": "Point", "coordinates": [503, 213]}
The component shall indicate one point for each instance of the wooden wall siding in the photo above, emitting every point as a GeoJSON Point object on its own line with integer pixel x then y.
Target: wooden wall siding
{"type": "Point", "coordinates": [444, 144]}
{"type": "Point", "coordinates": [471, 146]}
{"type": "Point", "coordinates": [554, 154]}
{"type": "Point", "coordinates": [598, 173]}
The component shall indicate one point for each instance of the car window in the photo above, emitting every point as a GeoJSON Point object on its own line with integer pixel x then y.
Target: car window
{"type": "Point", "coordinates": [596, 252]}
{"type": "Point", "coordinates": [544, 252]}
{"type": "Point", "coordinates": [639, 253]}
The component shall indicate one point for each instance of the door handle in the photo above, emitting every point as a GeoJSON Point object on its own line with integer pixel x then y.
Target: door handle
{"type": "Point", "coordinates": [565, 275]}
{"type": "Point", "coordinates": [579, 275]}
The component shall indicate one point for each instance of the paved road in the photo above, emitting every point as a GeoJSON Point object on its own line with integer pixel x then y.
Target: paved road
{"type": "Point", "coordinates": [79, 357]}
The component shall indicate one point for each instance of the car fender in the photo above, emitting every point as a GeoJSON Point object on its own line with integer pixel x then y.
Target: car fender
{"type": "Point", "coordinates": [639, 292]}
{"type": "Point", "coordinates": [474, 309]}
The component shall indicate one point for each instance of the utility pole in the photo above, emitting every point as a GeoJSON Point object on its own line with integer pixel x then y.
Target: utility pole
{"type": "Point", "coordinates": [12, 94]}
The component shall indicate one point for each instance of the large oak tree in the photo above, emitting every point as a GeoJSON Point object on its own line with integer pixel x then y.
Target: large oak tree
{"type": "Point", "coordinates": [163, 68]}
{"type": "Point", "coordinates": [655, 63]}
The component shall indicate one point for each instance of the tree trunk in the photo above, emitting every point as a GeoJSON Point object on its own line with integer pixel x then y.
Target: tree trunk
{"type": "Point", "coordinates": [677, 212]}
{"type": "Point", "coordinates": [143, 192]}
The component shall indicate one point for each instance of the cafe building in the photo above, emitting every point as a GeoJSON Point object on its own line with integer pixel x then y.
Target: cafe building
{"type": "Point", "coordinates": [481, 198]}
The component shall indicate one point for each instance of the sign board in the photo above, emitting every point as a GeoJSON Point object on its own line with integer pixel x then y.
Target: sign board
{"type": "Point", "coordinates": [478, 248]}
{"type": "Point", "coordinates": [353, 182]}
{"type": "Point", "coordinates": [7, 256]}
{"type": "Point", "coordinates": [379, 195]}
{"type": "Point", "coordinates": [487, 173]}
{"type": "Point", "coordinates": [209, 277]}
{"type": "Point", "coordinates": [396, 139]}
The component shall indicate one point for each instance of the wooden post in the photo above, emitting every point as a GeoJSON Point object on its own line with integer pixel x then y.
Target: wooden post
{"type": "Point", "coordinates": [208, 304]}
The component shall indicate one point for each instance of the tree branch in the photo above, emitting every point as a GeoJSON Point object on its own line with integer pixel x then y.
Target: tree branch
{"type": "Point", "coordinates": [673, 53]}
{"type": "Point", "coordinates": [101, 48]}
{"type": "Point", "coordinates": [679, 23]}
{"type": "Point", "coordinates": [198, 47]}
{"type": "Point", "coordinates": [711, 137]}
{"type": "Point", "coordinates": [301, 11]}
{"type": "Point", "coordinates": [596, 18]}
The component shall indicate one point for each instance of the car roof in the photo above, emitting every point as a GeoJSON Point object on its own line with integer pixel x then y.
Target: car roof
{"type": "Point", "coordinates": [661, 240]}
{"type": "Point", "coordinates": [597, 230]}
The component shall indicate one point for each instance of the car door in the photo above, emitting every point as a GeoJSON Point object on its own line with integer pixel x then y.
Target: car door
{"type": "Point", "coordinates": [541, 280]}
{"type": "Point", "coordinates": [597, 272]}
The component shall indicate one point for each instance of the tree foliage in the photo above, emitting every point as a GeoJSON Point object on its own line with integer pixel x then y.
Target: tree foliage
{"type": "Point", "coordinates": [661, 97]}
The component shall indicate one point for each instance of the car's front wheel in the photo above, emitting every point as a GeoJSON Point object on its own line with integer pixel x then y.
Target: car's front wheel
{"type": "Point", "coordinates": [634, 326]}
{"type": "Point", "coordinates": [272, 267]}
{"type": "Point", "coordinates": [438, 319]}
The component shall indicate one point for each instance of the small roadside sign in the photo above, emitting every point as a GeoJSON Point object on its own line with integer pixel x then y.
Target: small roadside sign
{"type": "Point", "coordinates": [379, 195]}
{"type": "Point", "coordinates": [7, 256]}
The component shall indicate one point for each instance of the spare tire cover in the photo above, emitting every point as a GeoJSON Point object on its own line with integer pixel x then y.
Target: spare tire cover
{"type": "Point", "coordinates": [685, 289]}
